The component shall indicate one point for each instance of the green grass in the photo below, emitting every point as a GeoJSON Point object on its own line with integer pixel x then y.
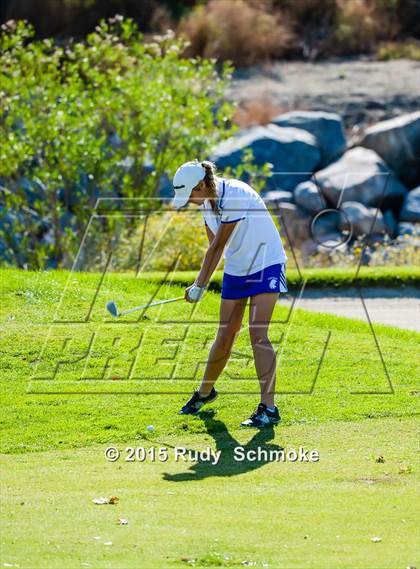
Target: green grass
{"type": "Point", "coordinates": [94, 400]}
{"type": "Point", "coordinates": [56, 422]}
{"type": "Point", "coordinates": [291, 515]}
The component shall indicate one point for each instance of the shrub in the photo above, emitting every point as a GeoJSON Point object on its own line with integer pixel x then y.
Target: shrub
{"type": "Point", "coordinates": [399, 50]}
{"type": "Point", "coordinates": [255, 31]}
{"type": "Point", "coordinates": [79, 17]}
{"type": "Point", "coordinates": [360, 25]}
{"type": "Point", "coordinates": [313, 22]}
{"type": "Point", "coordinates": [242, 31]}
{"type": "Point", "coordinates": [104, 117]}
{"type": "Point", "coordinates": [400, 17]}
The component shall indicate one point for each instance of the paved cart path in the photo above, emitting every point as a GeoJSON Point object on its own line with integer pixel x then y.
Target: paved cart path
{"type": "Point", "coordinates": [399, 308]}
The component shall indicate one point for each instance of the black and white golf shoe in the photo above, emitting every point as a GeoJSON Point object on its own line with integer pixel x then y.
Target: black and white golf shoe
{"type": "Point", "coordinates": [193, 406]}
{"type": "Point", "coordinates": [262, 417]}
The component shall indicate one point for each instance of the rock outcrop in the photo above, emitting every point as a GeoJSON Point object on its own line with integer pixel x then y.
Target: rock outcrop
{"type": "Point", "coordinates": [397, 142]}
{"type": "Point", "coordinates": [327, 128]}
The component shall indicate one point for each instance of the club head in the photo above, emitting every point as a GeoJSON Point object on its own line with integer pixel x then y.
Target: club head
{"type": "Point", "coordinates": [112, 308]}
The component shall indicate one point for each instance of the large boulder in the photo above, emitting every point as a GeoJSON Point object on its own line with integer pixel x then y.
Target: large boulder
{"type": "Point", "coordinates": [360, 175]}
{"type": "Point", "coordinates": [410, 210]}
{"type": "Point", "coordinates": [391, 224]}
{"type": "Point", "coordinates": [309, 196]}
{"type": "Point", "coordinates": [277, 196]}
{"type": "Point", "coordinates": [293, 153]}
{"type": "Point", "coordinates": [327, 128]}
{"type": "Point", "coordinates": [325, 223]}
{"type": "Point", "coordinates": [294, 222]}
{"type": "Point", "coordinates": [397, 141]}
{"type": "Point", "coordinates": [364, 220]}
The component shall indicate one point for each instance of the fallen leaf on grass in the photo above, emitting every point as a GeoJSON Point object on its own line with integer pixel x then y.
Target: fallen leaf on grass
{"type": "Point", "coordinates": [108, 543]}
{"type": "Point", "coordinates": [188, 560]}
{"type": "Point", "coordinates": [376, 539]}
{"type": "Point", "coordinates": [380, 459]}
{"type": "Point", "coordinates": [101, 501]}
{"type": "Point", "coordinates": [123, 522]}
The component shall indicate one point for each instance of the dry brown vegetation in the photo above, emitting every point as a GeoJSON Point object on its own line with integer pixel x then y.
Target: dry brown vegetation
{"type": "Point", "coordinates": [246, 32]}
{"type": "Point", "coordinates": [256, 112]}
{"type": "Point", "coordinates": [254, 31]}
{"type": "Point", "coordinates": [360, 26]}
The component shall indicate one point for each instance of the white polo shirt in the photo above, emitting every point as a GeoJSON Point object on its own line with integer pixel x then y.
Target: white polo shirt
{"type": "Point", "coordinates": [255, 242]}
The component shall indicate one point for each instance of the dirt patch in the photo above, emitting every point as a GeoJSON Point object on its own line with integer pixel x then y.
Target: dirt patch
{"type": "Point", "coordinates": [362, 91]}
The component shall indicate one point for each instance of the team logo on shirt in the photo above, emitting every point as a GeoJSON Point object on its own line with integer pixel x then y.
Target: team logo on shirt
{"type": "Point", "coordinates": [272, 283]}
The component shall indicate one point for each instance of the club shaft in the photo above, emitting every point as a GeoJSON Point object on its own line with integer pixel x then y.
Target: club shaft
{"type": "Point", "coordinates": [151, 304]}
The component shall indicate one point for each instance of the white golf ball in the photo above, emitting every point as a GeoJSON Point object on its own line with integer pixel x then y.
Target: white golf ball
{"type": "Point", "coordinates": [150, 428]}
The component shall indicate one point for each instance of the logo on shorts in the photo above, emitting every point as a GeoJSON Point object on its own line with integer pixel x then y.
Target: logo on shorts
{"type": "Point", "coordinates": [273, 283]}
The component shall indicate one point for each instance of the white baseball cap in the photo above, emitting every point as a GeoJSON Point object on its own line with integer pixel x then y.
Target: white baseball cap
{"type": "Point", "coordinates": [186, 178]}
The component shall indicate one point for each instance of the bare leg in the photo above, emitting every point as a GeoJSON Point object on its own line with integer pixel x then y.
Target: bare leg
{"type": "Point", "coordinates": [260, 312]}
{"type": "Point", "coordinates": [231, 315]}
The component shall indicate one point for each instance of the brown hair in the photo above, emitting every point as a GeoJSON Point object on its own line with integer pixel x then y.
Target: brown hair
{"type": "Point", "coordinates": [210, 178]}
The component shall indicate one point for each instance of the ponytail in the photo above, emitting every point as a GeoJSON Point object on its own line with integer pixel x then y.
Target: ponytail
{"type": "Point", "coordinates": [210, 178]}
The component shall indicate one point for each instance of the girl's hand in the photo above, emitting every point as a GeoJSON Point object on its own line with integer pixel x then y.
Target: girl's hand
{"type": "Point", "coordinates": [194, 293]}
{"type": "Point", "coordinates": [186, 293]}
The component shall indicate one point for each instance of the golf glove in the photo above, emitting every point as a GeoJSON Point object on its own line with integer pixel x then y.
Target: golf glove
{"type": "Point", "coordinates": [195, 292]}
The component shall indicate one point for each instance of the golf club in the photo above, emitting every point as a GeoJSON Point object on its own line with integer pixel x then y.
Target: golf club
{"type": "Point", "coordinates": [113, 310]}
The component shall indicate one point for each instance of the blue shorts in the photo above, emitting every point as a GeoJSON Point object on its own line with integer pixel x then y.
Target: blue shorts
{"type": "Point", "coordinates": [269, 279]}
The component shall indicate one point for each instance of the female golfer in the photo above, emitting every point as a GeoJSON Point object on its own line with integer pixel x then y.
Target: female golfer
{"type": "Point", "coordinates": [236, 217]}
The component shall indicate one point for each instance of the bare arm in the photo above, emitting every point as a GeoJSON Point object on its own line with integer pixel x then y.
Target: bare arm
{"type": "Point", "coordinates": [210, 234]}
{"type": "Point", "coordinates": [214, 252]}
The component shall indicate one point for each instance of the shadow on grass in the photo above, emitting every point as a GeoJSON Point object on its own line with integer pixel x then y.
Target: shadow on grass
{"type": "Point", "coordinates": [227, 465]}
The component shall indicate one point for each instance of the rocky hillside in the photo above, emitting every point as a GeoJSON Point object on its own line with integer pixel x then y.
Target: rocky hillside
{"type": "Point", "coordinates": [328, 190]}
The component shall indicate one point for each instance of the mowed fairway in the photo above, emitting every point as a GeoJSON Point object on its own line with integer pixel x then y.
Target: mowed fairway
{"type": "Point", "coordinates": [73, 388]}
